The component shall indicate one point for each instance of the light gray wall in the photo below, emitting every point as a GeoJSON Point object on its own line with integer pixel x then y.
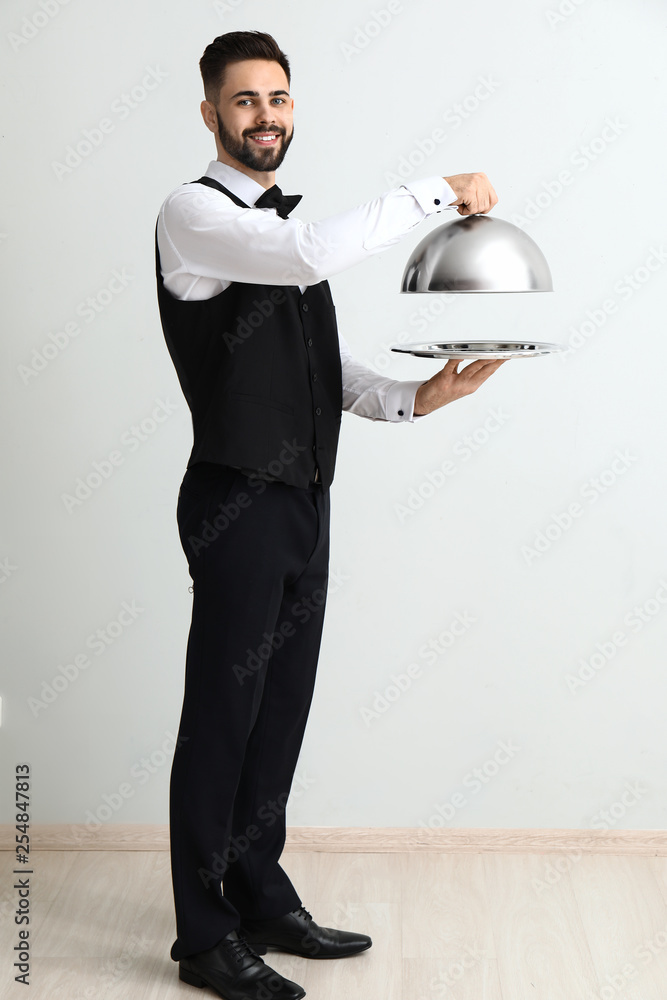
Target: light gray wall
{"type": "Point", "coordinates": [591, 193]}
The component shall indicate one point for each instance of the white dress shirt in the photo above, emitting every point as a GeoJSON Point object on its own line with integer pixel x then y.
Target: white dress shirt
{"type": "Point", "coordinates": [206, 242]}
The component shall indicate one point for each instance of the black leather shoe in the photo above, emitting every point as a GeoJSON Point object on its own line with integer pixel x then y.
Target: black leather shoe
{"type": "Point", "coordinates": [235, 972]}
{"type": "Point", "coordinates": [298, 934]}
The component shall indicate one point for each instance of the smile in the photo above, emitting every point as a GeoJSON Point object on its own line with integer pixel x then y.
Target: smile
{"type": "Point", "coordinates": [266, 139]}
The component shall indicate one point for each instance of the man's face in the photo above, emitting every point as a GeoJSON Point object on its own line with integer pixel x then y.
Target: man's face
{"type": "Point", "coordinates": [254, 114]}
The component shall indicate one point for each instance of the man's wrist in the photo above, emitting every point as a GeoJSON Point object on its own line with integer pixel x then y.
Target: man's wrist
{"type": "Point", "coordinates": [421, 408]}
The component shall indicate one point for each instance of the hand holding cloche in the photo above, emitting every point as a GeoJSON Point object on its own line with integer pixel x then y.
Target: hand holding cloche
{"type": "Point", "coordinates": [474, 192]}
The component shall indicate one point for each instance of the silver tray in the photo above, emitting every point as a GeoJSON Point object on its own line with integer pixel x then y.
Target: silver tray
{"type": "Point", "coordinates": [477, 350]}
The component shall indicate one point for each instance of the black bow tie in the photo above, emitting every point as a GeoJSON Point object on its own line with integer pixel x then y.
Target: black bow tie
{"type": "Point", "coordinates": [274, 198]}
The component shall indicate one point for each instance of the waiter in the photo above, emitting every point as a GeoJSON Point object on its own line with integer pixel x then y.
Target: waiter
{"type": "Point", "coordinates": [250, 325]}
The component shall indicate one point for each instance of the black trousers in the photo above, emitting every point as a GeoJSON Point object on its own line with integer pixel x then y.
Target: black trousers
{"type": "Point", "coordinates": [258, 555]}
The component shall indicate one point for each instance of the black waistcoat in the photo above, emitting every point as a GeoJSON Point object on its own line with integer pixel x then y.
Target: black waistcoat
{"type": "Point", "coordinates": [259, 366]}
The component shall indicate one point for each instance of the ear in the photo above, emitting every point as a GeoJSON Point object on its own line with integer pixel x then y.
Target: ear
{"type": "Point", "coordinates": [209, 116]}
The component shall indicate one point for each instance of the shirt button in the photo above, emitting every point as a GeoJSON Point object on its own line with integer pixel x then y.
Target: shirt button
{"type": "Point", "coordinates": [318, 411]}
{"type": "Point", "coordinates": [436, 201]}
{"type": "Point", "coordinates": [305, 307]}
{"type": "Point", "coordinates": [314, 376]}
{"type": "Point", "coordinates": [310, 341]}
{"type": "Point", "coordinates": [400, 413]}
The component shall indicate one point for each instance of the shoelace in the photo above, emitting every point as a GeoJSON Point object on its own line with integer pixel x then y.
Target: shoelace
{"type": "Point", "coordinates": [241, 950]}
{"type": "Point", "coordinates": [302, 911]}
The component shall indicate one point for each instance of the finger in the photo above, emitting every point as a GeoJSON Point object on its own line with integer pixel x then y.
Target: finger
{"type": "Point", "coordinates": [489, 200]}
{"type": "Point", "coordinates": [492, 363]}
{"type": "Point", "coordinates": [487, 369]}
{"type": "Point", "coordinates": [452, 367]}
{"type": "Point", "coordinates": [474, 366]}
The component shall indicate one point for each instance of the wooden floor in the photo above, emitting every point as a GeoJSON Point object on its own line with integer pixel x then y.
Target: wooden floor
{"type": "Point", "coordinates": [444, 926]}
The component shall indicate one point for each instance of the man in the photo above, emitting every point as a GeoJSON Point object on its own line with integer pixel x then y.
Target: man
{"type": "Point", "coordinates": [250, 325]}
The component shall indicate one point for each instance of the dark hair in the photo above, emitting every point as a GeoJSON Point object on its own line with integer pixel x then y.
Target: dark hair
{"type": "Point", "coordinates": [233, 47]}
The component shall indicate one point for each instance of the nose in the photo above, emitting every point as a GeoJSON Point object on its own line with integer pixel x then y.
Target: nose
{"type": "Point", "coordinates": [266, 114]}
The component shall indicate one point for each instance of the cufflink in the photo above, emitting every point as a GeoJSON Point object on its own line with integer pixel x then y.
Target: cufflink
{"type": "Point", "coordinates": [400, 413]}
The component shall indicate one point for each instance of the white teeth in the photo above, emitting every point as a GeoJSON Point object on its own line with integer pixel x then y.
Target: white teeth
{"type": "Point", "coordinates": [265, 138]}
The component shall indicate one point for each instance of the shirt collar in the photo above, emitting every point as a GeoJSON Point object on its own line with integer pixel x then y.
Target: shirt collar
{"type": "Point", "coordinates": [236, 181]}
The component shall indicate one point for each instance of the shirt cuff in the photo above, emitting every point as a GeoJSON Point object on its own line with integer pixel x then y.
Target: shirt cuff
{"type": "Point", "coordinates": [433, 194]}
{"type": "Point", "coordinates": [400, 402]}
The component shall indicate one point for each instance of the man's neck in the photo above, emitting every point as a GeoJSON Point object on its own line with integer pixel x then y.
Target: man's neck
{"type": "Point", "coordinates": [265, 178]}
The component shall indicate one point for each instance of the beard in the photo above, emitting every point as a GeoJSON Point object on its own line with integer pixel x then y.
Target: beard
{"type": "Point", "coordinates": [248, 153]}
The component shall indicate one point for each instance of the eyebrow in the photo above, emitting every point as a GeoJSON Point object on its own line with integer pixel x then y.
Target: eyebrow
{"type": "Point", "coordinates": [255, 93]}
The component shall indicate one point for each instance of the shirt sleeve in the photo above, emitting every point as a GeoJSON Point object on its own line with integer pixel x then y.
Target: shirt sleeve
{"type": "Point", "coordinates": [203, 234]}
{"type": "Point", "coordinates": [371, 395]}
